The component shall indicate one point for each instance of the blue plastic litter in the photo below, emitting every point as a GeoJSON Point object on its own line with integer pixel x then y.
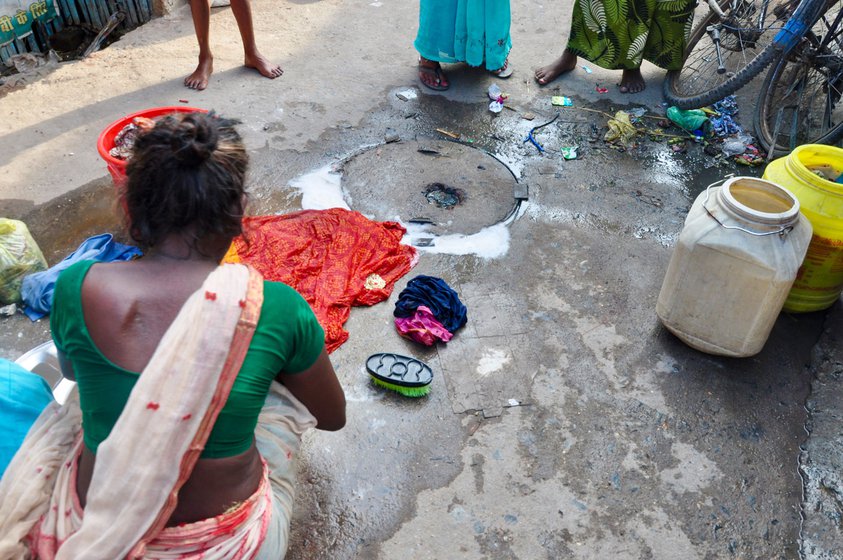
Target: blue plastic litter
{"type": "Point", "coordinates": [37, 289]}
{"type": "Point", "coordinates": [725, 125]}
{"type": "Point", "coordinates": [531, 139]}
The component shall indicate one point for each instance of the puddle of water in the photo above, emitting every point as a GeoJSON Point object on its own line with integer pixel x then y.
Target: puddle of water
{"type": "Point", "coordinates": [320, 189]}
{"type": "Point", "coordinates": [503, 136]}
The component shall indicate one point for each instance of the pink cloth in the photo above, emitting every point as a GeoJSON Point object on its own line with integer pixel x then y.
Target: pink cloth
{"type": "Point", "coordinates": [422, 327]}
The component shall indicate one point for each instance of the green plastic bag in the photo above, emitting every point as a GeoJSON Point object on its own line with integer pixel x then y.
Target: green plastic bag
{"type": "Point", "coordinates": [19, 256]}
{"type": "Point", "coordinates": [694, 119]}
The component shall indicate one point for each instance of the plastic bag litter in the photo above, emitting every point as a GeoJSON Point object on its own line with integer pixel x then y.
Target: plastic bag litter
{"type": "Point", "coordinates": [19, 256]}
{"type": "Point", "coordinates": [620, 129]}
{"type": "Point", "coordinates": [724, 125]}
{"type": "Point", "coordinates": [497, 97]}
{"type": "Point", "coordinates": [727, 106]}
{"type": "Point", "coordinates": [29, 62]}
{"type": "Point", "coordinates": [691, 120]}
{"type": "Point", "coordinates": [733, 148]}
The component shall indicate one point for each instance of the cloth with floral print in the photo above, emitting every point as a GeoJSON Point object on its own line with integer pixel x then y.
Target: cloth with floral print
{"type": "Point", "coordinates": [619, 34]}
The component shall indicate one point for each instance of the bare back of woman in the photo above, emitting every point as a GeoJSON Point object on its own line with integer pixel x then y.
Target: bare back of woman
{"type": "Point", "coordinates": [126, 321]}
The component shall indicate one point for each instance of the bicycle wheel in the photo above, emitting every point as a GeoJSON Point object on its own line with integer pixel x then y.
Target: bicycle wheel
{"type": "Point", "coordinates": [745, 47]}
{"type": "Point", "coordinates": [801, 97]}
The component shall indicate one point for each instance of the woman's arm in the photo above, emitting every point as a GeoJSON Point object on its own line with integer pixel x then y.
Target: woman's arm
{"type": "Point", "coordinates": [320, 391]}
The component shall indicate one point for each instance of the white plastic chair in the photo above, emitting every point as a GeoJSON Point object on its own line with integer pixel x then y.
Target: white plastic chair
{"type": "Point", "coordinates": [44, 360]}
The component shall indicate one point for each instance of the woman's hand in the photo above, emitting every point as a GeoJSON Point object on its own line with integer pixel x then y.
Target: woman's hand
{"type": "Point", "coordinates": [319, 390]}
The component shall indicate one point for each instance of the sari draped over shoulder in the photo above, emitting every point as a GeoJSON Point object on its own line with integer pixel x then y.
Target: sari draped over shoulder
{"type": "Point", "coordinates": [471, 31]}
{"type": "Point", "coordinates": [134, 488]}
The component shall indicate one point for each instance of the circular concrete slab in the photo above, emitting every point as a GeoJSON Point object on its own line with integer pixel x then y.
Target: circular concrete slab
{"type": "Point", "coordinates": [458, 189]}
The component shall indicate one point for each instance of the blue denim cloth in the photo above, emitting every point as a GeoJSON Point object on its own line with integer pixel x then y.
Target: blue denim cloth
{"type": "Point", "coordinates": [436, 295]}
{"type": "Point", "coordinates": [37, 289]}
{"type": "Point", "coordinates": [23, 395]}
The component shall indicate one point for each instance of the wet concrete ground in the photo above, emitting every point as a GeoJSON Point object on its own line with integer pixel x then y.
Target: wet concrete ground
{"type": "Point", "coordinates": [563, 421]}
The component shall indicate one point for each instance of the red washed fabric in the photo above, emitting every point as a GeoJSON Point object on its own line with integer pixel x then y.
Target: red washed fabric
{"type": "Point", "coordinates": [327, 256]}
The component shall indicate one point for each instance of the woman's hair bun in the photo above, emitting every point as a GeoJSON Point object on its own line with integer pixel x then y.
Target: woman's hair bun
{"type": "Point", "coordinates": [193, 140]}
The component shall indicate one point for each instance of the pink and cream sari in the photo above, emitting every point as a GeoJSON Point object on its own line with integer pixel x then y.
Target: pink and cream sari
{"type": "Point", "coordinates": [153, 448]}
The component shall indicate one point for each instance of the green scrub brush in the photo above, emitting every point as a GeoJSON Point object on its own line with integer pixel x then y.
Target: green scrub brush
{"type": "Point", "coordinates": [407, 376]}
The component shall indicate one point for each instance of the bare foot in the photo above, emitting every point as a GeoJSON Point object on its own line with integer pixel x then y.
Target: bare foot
{"type": "Point", "coordinates": [565, 63]}
{"type": "Point", "coordinates": [199, 78]}
{"type": "Point", "coordinates": [262, 65]}
{"type": "Point", "coordinates": [632, 81]}
{"type": "Point", "coordinates": [432, 76]}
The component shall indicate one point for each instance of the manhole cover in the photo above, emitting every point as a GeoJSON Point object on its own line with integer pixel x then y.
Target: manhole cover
{"type": "Point", "coordinates": [451, 187]}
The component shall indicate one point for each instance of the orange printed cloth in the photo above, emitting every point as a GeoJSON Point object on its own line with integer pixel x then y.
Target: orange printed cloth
{"type": "Point", "coordinates": [334, 258]}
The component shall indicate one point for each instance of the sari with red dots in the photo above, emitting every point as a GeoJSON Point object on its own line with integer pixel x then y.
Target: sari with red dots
{"type": "Point", "coordinates": [135, 484]}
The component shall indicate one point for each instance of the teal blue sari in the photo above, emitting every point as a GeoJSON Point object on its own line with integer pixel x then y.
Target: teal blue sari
{"type": "Point", "coordinates": [471, 31]}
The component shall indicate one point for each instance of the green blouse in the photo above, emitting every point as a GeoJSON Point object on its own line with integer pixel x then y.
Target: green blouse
{"type": "Point", "coordinates": [288, 339]}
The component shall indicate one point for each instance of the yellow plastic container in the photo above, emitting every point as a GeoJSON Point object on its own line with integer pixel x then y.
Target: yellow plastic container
{"type": "Point", "coordinates": [733, 266]}
{"type": "Point", "coordinates": [820, 279]}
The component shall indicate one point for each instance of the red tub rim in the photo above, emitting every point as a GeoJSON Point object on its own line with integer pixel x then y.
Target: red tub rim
{"type": "Point", "coordinates": [112, 129]}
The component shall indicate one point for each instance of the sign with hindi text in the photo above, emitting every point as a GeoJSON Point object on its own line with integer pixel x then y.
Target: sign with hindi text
{"type": "Point", "coordinates": [17, 16]}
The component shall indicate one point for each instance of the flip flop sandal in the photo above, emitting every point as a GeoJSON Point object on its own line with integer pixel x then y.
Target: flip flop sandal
{"type": "Point", "coordinates": [504, 71]}
{"type": "Point", "coordinates": [407, 376]}
{"type": "Point", "coordinates": [435, 72]}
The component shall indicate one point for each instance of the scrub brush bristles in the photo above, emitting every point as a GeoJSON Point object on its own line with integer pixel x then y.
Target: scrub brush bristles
{"type": "Point", "coordinates": [404, 375]}
{"type": "Point", "coordinates": [406, 391]}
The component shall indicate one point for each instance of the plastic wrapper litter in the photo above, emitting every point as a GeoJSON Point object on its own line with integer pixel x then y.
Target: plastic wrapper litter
{"type": "Point", "coordinates": [620, 129]}
{"type": "Point", "coordinates": [19, 256]}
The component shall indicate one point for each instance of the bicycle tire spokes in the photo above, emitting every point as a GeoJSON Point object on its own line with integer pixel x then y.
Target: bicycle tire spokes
{"type": "Point", "coordinates": [801, 97]}
{"type": "Point", "coordinates": [721, 48]}
{"type": "Point", "coordinates": [833, 32]}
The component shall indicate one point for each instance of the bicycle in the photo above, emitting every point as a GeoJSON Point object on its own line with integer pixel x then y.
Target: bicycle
{"type": "Point", "coordinates": [800, 101]}
{"type": "Point", "coordinates": [733, 44]}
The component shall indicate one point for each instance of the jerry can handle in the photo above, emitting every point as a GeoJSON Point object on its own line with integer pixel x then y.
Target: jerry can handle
{"type": "Point", "coordinates": [780, 232]}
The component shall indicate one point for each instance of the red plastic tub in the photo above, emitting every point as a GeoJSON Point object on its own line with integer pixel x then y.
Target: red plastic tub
{"type": "Point", "coordinates": [117, 167]}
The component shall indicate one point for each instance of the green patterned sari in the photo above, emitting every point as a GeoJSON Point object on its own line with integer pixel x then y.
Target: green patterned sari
{"type": "Point", "coordinates": [619, 34]}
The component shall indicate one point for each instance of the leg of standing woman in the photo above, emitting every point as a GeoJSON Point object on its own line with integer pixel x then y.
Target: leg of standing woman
{"type": "Point", "coordinates": [431, 75]}
{"type": "Point", "coordinates": [201, 12]}
{"type": "Point", "coordinates": [612, 35]}
{"type": "Point", "coordinates": [252, 58]}
{"type": "Point", "coordinates": [435, 41]}
{"type": "Point", "coordinates": [632, 81]}
{"type": "Point", "coordinates": [495, 34]}
{"type": "Point", "coordinates": [563, 64]}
